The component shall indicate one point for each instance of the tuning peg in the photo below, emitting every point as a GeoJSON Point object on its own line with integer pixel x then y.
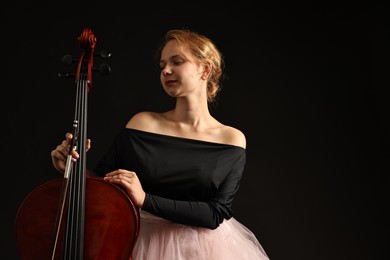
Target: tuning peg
{"type": "Point", "coordinates": [103, 54]}
{"type": "Point", "coordinates": [66, 75]}
{"type": "Point", "coordinates": [103, 69]}
{"type": "Point", "coordinates": [68, 59]}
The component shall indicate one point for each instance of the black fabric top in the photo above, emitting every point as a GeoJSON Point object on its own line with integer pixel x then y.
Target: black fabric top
{"type": "Point", "coordinates": [187, 181]}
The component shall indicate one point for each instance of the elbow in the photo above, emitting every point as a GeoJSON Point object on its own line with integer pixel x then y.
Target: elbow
{"type": "Point", "coordinates": [217, 219]}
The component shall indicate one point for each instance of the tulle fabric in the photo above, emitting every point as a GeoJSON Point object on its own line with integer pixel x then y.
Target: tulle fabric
{"type": "Point", "coordinates": [160, 239]}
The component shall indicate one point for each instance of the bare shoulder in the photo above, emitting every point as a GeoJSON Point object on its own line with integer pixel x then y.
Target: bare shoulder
{"type": "Point", "coordinates": [233, 136]}
{"type": "Point", "coordinates": [157, 123]}
{"type": "Point", "coordinates": [145, 121]}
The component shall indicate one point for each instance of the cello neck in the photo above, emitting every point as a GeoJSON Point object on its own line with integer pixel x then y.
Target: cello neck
{"type": "Point", "coordinates": [73, 248]}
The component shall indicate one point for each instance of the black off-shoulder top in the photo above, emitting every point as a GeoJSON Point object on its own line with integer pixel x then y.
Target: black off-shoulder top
{"type": "Point", "coordinates": [187, 181]}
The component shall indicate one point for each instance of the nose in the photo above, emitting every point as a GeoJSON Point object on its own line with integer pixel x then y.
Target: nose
{"type": "Point", "coordinates": [166, 71]}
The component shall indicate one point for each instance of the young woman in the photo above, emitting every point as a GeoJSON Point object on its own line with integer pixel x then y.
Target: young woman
{"type": "Point", "coordinates": [182, 167]}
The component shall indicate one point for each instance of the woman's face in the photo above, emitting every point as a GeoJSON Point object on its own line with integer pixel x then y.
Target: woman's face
{"type": "Point", "coordinates": [180, 73]}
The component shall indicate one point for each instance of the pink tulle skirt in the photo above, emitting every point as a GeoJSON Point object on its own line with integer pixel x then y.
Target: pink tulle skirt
{"type": "Point", "coordinates": [160, 239]}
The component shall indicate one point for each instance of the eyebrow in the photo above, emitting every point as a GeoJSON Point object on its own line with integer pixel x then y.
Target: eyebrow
{"type": "Point", "coordinates": [173, 57]}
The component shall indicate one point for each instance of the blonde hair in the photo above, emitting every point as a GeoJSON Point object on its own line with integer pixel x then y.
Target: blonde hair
{"type": "Point", "coordinates": [205, 51]}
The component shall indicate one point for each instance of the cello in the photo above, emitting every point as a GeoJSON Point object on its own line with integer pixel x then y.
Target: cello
{"type": "Point", "coordinates": [79, 216]}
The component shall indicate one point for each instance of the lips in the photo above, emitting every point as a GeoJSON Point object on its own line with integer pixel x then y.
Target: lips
{"type": "Point", "coordinates": [168, 82]}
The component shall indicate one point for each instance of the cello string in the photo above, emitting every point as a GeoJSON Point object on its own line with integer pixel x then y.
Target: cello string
{"type": "Point", "coordinates": [72, 241]}
{"type": "Point", "coordinates": [82, 175]}
{"type": "Point", "coordinates": [69, 234]}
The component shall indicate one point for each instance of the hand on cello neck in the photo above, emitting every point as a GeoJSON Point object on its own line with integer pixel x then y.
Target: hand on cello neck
{"type": "Point", "coordinates": [60, 153]}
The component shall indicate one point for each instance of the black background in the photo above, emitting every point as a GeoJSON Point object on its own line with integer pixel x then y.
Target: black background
{"type": "Point", "coordinates": [307, 84]}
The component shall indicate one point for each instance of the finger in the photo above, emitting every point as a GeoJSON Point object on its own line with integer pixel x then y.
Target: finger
{"type": "Point", "coordinates": [121, 173]}
{"type": "Point", "coordinates": [88, 145]}
{"type": "Point", "coordinates": [55, 154]}
{"type": "Point", "coordinates": [113, 173]}
{"type": "Point", "coordinates": [61, 149]}
{"type": "Point", "coordinates": [64, 148]}
{"type": "Point", "coordinates": [127, 178]}
{"type": "Point", "coordinates": [75, 154]}
{"type": "Point", "coordinates": [120, 179]}
{"type": "Point", "coordinates": [68, 136]}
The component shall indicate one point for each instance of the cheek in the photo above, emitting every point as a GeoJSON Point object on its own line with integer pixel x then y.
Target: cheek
{"type": "Point", "coordinates": [161, 78]}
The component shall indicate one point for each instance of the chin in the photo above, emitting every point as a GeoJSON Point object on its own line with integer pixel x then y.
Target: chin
{"type": "Point", "coordinates": [171, 93]}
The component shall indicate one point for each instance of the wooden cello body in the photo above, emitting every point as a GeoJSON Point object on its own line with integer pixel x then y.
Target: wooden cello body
{"type": "Point", "coordinates": [78, 217]}
{"type": "Point", "coordinates": [111, 226]}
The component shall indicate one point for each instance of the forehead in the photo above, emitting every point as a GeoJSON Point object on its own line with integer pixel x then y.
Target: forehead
{"type": "Point", "coordinates": [174, 48]}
